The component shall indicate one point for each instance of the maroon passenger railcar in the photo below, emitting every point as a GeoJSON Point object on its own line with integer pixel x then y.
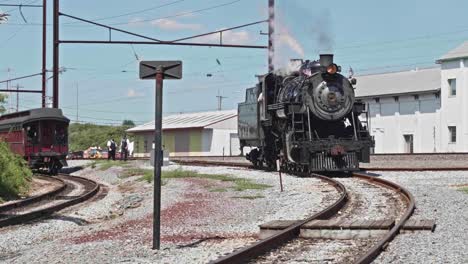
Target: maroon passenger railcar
{"type": "Point", "coordinates": [39, 135]}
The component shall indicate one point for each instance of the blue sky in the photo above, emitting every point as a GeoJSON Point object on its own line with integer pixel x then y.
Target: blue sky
{"type": "Point", "coordinates": [370, 36]}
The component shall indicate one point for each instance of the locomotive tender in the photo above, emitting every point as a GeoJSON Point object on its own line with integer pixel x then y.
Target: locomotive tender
{"type": "Point", "coordinates": [39, 135]}
{"type": "Point", "coordinates": [308, 120]}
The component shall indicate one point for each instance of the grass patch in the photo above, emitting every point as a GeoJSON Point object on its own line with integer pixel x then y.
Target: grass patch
{"type": "Point", "coordinates": [464, 189]}
{"type": "Point", "coordinates": [130, 172]}
{"type": "Point", "coordinates": [218, 190]}
{"type": "Point", "coordinates": [244, 184]}
{"type": "Point", "coordinates": [249, 197]}
{"type": "Point", "coordinates": [107, 164]}
{"type": "Point", "coordinates": [240, 184]}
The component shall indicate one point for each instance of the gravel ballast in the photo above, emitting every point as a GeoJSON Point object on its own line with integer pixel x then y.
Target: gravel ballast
{"type": "Point", "coordinates": [202, 219]}
{"type": "Point", "coordinates": [438, 197]}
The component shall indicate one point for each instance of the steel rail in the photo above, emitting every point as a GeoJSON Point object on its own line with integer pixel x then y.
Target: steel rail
{"type": "Point", "coordinates": [261, 247]}
{"type": "Point", "coordinates": [372, 253]}
{"type": "Point", "coordinates": [26, 217]}
{"type": "Point", "coordinates": [36, 198]}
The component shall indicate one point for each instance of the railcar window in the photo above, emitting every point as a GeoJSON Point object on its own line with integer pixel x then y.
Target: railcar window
{"type": "Point", "coordinates": [31, 132]}
{"type": "Point", "coordinates": [60, 135]}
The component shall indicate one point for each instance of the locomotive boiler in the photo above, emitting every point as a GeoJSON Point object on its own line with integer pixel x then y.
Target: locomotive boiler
{"type": "Point", "coordinates": [306, 120]}
{"type": "Point", "coordinates": [39, 135]}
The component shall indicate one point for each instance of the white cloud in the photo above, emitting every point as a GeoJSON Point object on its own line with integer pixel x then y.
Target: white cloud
{"type": "Point", "coordinates": [136, 22]}
{"type": "Point", "coordinates": [133, 93]}
{"type": "Point", "coordinates": [229, 37]}
{"type": "Point", "coordinates": [170, 24]}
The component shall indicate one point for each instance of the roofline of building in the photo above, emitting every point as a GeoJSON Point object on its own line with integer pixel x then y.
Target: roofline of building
{"type": "Point", "coordinates": [398, 94]}
{"type": "Point", "coordinates": [164, 129]}
{"type": "Point", "coordinates": [397, 71]}
{"type": "Point", "coordinates": [220, 121]}
{"type": "Point", "coordinates": [439, 61]}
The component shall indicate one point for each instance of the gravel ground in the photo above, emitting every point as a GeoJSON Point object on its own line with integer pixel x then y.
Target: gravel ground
{"type": "Point", "coordinates": [418, 161]}
{"type": "Point", "coordinates": [370, 201]}
{"type": "Point", "coordinates": [437, 197]}
{"type": "Point", "coordinates": [198, 225]}
{"type": "Point", "coordinates": [451, 160]}
{"type": "Point", "coordinates": [318, 251]}
{"type": "Point", "coordinates": [366, 202]}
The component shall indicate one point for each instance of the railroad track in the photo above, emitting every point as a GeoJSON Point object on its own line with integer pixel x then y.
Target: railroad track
{"type": "Point", "coordinates": [238, 162]}
{"type": "Point", "coordinates": [292, 232]}
{"type": "Point", "coordinates": [266, 245]}
{"type": "Point", "coordinates": [71, 191]}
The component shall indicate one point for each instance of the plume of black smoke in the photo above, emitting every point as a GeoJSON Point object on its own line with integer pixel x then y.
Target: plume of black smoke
{"type": "Point", "coordinates": [321, 32]}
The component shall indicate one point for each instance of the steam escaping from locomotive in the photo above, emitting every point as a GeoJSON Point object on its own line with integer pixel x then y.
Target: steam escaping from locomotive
{"type": "Point", "coordinates": [307, 119]}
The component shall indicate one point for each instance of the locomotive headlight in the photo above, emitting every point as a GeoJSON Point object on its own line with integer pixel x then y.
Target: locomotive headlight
{"type": "Point", "coordinates": [332, 68]}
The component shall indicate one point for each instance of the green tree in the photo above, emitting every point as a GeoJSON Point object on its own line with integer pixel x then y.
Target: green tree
{"type": "Point", "coordinates": [2, 101]}
{"type": "Point", "coordinates": [15, 174]}
{"type": "Point", "coordinates": [83, 136]}
{"type": "Point", "coordinates": [128, 123]}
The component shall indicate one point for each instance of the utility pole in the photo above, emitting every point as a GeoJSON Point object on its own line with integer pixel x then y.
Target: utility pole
{"type": "Point", "coordinates": [77, 105]}
{"type": "Point", "coordinates": [271, 31]}
{"type": "Point", "coordinates": [55, 80]}
{"type": "Point", "coordinates": [8, 88]}
{"type": "Point", "coordinates": [17, 96]}
{"type": "Point", "coordinates": [44, 51]}
{"type": "Point", "coordinates": [220, 102]}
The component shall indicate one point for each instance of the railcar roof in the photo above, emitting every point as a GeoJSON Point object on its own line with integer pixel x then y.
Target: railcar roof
{"type": "Point", "coordinates": [33, 115]}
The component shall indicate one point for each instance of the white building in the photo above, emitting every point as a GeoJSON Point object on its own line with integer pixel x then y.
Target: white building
{"type": "Point", "coordinates": [192, 134]}
{"type": "Point", "coordinates": [423, 110]}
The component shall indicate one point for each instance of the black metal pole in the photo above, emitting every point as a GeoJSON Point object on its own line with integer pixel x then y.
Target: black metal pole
{"type": "Point", "coordinates": [157, 159]}
{"type": "Point", "coordinates": [56, 55]}
{"type": "Point", "coordinates": [44, 51]}
{"type": "Point", "coordinates": [271, 34]}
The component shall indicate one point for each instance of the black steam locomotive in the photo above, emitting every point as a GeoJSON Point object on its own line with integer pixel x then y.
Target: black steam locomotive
{"type": "Point", "coordinates": [306, 120]}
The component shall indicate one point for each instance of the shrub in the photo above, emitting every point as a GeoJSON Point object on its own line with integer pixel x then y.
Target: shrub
{"type": "Point", "coordinates": [15, 175]}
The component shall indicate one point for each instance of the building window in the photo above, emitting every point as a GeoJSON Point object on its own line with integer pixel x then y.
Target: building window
{"type": "Point", "coordinates": [452, 134]}
{"type": "Point", "coordinates": [453, 87]}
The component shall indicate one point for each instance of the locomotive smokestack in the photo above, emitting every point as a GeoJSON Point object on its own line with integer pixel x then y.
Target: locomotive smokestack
{"type": "Point", "coordinates": [326, 59]}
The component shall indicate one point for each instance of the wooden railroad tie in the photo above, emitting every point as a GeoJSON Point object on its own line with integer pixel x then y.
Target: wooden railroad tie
{"type": "Point", "coordinates": [344, 228]}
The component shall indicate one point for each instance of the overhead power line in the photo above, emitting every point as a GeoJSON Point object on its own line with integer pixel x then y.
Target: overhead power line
{"type": "Point", "coordinates": [134, 12]}
{"type": "Point", "coordinates": [181, 14]}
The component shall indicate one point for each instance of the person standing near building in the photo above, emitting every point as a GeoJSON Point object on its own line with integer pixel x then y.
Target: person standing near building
{"type": "Point", "coordinates": [109, 149]}
{"type": "Point", "coordinates": [124, 148]}
{"type": "Point", "coordinates": [112, 147]}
